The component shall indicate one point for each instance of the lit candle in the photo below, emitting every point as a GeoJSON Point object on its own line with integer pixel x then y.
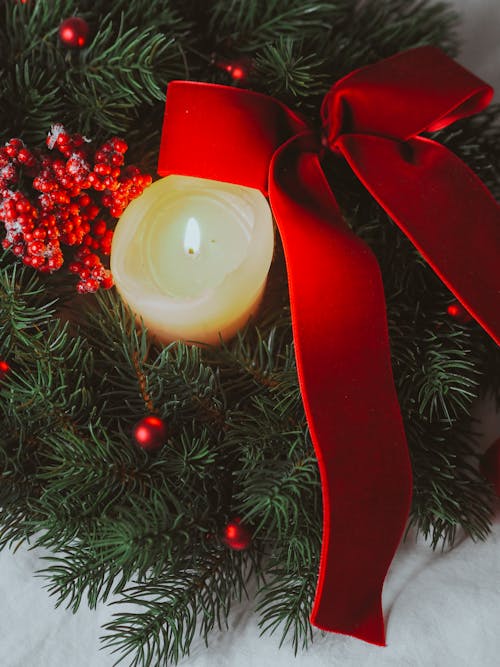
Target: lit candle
{"type": "Point", "coordinates": [191, 256]}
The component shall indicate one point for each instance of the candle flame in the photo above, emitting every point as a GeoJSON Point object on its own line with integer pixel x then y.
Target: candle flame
{"type": "Point", "coordinates": [192, 237]}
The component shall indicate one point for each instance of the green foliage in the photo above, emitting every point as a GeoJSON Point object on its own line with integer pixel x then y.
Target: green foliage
{"type": "Point", "coordinates": [289, 73]}
{"type": "Point", "coordinates": [146, 528]}
{"type": "Point", "coordinates": [171, 608]}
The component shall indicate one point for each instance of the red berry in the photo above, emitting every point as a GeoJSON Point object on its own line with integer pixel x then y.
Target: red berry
{"type": "Point", "coordinates": [4, 369]}
{"type": "Point", "coordinates": [92, 212]}
{"type": "Point", "coordinates": [73, 32]}
{"type": "Point", "coordinates": [36, 261]}
{"type": "Point", "coordinates": [458, 313]}
{"type": "Point", "coordinates": [66, 182]}
{"type": "Point", "coordinates": [107, 282]}
{"type": "Point", "coordinates": [40, 233]}
{"type": "Point", "coordinates": [24, 156]}
{"type": "Point", "coordinates": [111, 183]}
{"type": "Point", "coordinates": [23, 206]}
{"type": "Point", "coordinates": [91, 285]}
{"type": "Point", "coordinates": [82, 252]}
{"type": "Point", "coordinates": [97, 271]}
{"type": "Point", "coordinates": [118, 145]}
{"type": "Point", "coordinates": [11, 150]}
{"type": "Point", "coordinates": [237, 536]}
{"type": "Point", "coordinates": [91, 260]}
{"type": "Point", "coordinates": [62, 139]}
{"type": "Point", "coordinates": [150, 433]}
{"type": "Point", "coordinates": [102, 169]}
{"type": "Point", "coordinates": [36, 248]}
{"type": "Point", "coordinates": [84, 200]}
{"type": "Point", "coordinates": [99, 227]}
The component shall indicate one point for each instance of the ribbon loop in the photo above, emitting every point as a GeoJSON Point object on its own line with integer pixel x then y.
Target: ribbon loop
{"type": "Point", "coordinates": [456, 227]}
{"type": "Point", "coordinates": [400, 97]}
{"type": "Point", "coordinates": [233, 133]}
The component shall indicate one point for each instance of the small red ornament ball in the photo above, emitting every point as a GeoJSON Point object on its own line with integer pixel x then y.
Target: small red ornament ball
{"type": "Point", "coordinates": [458, 312]}
{"type": "Point", "coordinates": [150, 433]}
{"type": "Point", "coordinates": [236, 536]}
{"type": "Point", "coordinates": [4, 369]}
{"type": "Point", "coordinates": [490, 465]}
{"type": "Point", "coordinates": [238, 70]}
{"type": "Point", "coordinates": [74, 32]}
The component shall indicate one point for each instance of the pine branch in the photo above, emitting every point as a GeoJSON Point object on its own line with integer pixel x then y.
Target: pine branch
{"type": "Point", "coordinates": [286, 604]}
{"type": "Point", "coordinates": [253, 25]}
{"type": "Point", "coordinates": [173, 608]}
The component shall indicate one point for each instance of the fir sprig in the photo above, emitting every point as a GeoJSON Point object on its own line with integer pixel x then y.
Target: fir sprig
{"type": "Point", "coordinates": [171, 609]}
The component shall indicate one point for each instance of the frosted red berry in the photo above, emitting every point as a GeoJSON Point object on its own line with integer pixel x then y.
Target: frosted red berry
{"type": "Point", "coordinates": [76, 186]}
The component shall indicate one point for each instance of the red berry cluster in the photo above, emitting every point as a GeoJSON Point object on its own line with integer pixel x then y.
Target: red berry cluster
{"type": "Point", "coordinates": [75, 193]}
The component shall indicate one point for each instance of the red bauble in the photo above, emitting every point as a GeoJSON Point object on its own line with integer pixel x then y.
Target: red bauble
{"type": "Point", "coordinates": [73, 32]}
{"type": "Point", "coordinates": [490, 465]}
{"type": "Point", "coordinates": [458, 312]}
{"type": "Point", "coordinates": [150, 433]}
{"type": "Point", "coordinates": [4, 369]}
{"type": "Point", "coordinates": [236, 536]}
{"type": "Point", "coordinates": [238, 69]}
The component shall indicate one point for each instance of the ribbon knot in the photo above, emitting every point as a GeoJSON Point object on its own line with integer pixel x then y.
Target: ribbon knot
{"type": "Point", "coordinates": [374, 118]}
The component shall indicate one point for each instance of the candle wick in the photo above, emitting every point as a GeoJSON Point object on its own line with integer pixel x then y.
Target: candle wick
{"type": "Point", "coordinates": [192, 237]}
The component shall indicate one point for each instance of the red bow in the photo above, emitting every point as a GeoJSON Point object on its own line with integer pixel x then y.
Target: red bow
{"type": "Point", "coordinates": [373, 118]}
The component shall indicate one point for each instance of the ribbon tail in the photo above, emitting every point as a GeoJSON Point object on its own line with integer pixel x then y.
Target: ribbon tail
{"type": "Point", "coordinates": [344, 369]}
{"type": "Point", "coordinates": [443, 208]}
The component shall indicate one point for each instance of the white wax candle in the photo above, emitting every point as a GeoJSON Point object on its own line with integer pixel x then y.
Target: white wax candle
{"type": "Point", "coordinates": [191, 256]}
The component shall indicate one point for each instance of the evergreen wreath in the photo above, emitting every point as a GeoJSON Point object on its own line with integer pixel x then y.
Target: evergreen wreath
{"type": "Point", "coordinates": [77, 374]}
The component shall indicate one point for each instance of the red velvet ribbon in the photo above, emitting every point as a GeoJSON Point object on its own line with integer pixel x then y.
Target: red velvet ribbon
{"type": "Point", "coordinates": [373, 118]}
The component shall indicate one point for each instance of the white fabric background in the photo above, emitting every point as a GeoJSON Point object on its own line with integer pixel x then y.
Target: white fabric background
{"type": "Point", "coordinates": [440, 608]}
